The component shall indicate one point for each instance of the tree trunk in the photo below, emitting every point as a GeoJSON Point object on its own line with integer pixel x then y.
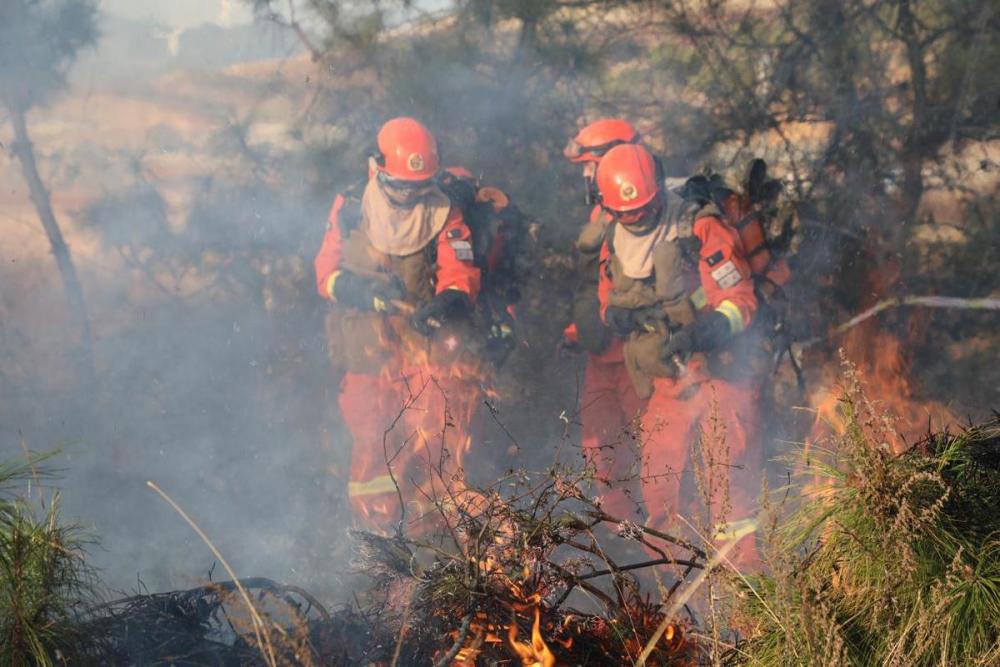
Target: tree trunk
{"type": "Point", "coordinates": [913, 148]}
{"type": "Point", "coordinates": [40, 198]}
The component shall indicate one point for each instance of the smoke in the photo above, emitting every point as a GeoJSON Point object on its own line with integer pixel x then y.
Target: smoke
{"type": "Point", "coordinates": [194, 191]}
{"type": "Point", "coordinates": [194, 202]}
{"type": "Point", "coordinates": [213, 380]}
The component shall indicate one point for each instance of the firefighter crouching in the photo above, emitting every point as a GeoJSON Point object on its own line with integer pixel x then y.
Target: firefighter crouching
{"type": "Point", "coordinates": [609, 404]}
{"type": "Point", "coordinates": [675, 284]}
{"type": "Point", "coordinates": [398, 267]}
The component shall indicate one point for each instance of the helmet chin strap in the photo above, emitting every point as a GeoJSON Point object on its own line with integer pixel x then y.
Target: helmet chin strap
{"type": "Point", "coordinates": [590, 187]}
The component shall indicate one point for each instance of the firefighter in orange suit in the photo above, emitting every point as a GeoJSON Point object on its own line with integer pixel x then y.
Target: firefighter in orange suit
{"type": "Point", "coordinates": [609, 405]}
{"type": "Point", "coordinates": [398, 267]}
{"type": "Point", "coordinates": [677, 286]}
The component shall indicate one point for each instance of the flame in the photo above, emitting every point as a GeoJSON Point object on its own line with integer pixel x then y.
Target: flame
{"type": "Point", "coordinates": [535, 654]}
{"type": "Point", "coordinates": [429, 389]}
{"type": "Point", "coordinates": [881, 359]}
{"type": "Point", "coordinates": [882, 363]}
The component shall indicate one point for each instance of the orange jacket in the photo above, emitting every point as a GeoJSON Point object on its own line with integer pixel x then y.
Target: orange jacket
{"type": "Point", "coordinates": [455, 266]}
{"type": "Point", "coordinates": [723, 281]}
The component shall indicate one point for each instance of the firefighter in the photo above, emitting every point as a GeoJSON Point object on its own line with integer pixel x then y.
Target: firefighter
{"type": "Point", "coordinates": [397, 265]}
{"type": "Point", "coordinates": [609, 405]}
{"type": "Point", "coordinates": [676, 286]}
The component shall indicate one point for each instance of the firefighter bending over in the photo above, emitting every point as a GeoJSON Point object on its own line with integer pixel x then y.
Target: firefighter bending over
{"type": "Point", "coordinates": [398, 267]}
{"type": "Point", "coordinates": [677, 287]}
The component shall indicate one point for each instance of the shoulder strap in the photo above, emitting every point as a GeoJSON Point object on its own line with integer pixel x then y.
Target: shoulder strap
{"type": "Point", "coordinates": [460, 191]}
{"type": "Point", "coordinates": [609, 236]}
{"type": "Point", "coordinates": [349, 216]}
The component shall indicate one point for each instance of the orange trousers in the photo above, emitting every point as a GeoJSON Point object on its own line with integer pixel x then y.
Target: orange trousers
{"type": "Point", "coordinates": [609, 411]}
{"type": "Point", "coordinates": [723, 418]}
{"type": "Point", "coordinates": [410, 430]}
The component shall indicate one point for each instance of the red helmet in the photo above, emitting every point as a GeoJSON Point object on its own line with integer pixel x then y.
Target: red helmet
{"type": "Point", "coordinates": [596, 139]}
{"type": "Point", "coordinates": [626, 178]}
{"type": "Point", "coordinates": [407, 150]}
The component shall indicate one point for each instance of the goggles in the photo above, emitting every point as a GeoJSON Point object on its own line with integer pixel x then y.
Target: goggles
{"type": "Point", "coordinates": [404, 186]}
{"type": "Point", "coordinates": [577, 152]}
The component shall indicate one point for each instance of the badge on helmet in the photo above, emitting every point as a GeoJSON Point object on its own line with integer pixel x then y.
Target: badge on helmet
{"type": "Point", "coordinates": [628, 191]}
{"type": "Point", "coordinates": [415, 162]}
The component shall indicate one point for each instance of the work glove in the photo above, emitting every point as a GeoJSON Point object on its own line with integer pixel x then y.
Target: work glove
{"type": "Point", "coordinates": [354, 291]}
{"type": "Point", "coordinates": [500, 342]}
{"type": "Point", "coordinates": [624, 321]}
{"type": "Point", "coordinates": [449, 305]}
{"type": "Point", "coordinates": [619, 320]}
{"type": "Point", "coordinates": [705, 334]}
{"type": "Point", "coordinates": [647, 319]}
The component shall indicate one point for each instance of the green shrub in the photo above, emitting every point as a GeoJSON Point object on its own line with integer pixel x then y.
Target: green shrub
{"type": "Point", "coordinates": [887, 559]}
{"type": "Point", "coordinates": [43, 577]}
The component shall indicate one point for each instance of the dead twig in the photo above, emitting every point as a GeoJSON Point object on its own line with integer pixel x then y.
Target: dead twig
{"type": "Point", "coordinates": [260, 632]}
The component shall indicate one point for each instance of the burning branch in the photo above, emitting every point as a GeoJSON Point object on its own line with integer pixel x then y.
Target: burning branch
{"type": "Point", "coordinates": [522, 546]}
{"type": "Point", "coordinates": [896, 302]}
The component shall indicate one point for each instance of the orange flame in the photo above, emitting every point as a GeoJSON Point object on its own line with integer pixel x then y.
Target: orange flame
{"type": "Point", "coordinates": [882, 363]}
{"type": "Point", "coordinates": [432, 388]}
{"type": "Point", "coordinates": [535, 654]}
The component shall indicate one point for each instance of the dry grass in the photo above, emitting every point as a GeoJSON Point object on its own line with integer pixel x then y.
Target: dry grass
{"type": "Point", "coordinates": [886, 559]}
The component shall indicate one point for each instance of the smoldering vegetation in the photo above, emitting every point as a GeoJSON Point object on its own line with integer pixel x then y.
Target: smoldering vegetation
{"type": "Point", "coordinates": [193, 239]}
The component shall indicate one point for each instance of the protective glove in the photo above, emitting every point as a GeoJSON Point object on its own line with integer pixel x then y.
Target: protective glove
{"type": "Point", "coordinates": [624, 321]}
{"type": "Point", "coordinates": [500, 342]}
{"type": "Point", "coordinates": [619, 320]}
{"type": "Point", "coordinates": [354, 291]}
{"type": "Point", "coordinates": [647, 319]}
{"type": "Point", "coordinates": [705, 334]}
{"type": "Point", "coordinates": [450, 304]}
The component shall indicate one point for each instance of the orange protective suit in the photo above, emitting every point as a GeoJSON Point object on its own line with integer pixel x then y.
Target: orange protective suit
{"type": "Point", "coordinates": [609, 418]}
{"type": "Point", "coordinates": [403, 398]}
{"type": "Point", "coordinates": [609, 405]}
{"type": "Point", "coordinates": [699, 400]}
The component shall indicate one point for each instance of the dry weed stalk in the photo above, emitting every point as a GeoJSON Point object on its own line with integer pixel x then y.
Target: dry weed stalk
{"type": "Point", "coordinates": [527, 542]}
{"type": "Point", "coordinates": [884, 559]}
{"type": "Point", "coordinates": [262, 633]}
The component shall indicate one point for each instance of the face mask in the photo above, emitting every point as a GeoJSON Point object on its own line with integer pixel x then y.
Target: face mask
{"type": "Point", "coordinates": [404, 193]}
{"type": "Point", "coordinates": [639, 222]}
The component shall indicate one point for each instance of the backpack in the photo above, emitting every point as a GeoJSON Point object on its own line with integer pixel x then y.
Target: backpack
{"type": "Point", "coordinates": [499, 243]}
{"type": "Point", "coordinates": [751, 212]}
{"type": "Point", "coordinates": [754, 213]}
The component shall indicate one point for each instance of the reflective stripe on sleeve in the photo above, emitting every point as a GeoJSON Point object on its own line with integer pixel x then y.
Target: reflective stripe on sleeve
{"type": "Point", "coordinates": [698, 299]}
{"type": "Point", "coordinates": [733, 314]}
{"type": "Point", "coordinates": [380, 484]}
{"type": "Point", "coordinates": [330, 282]}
